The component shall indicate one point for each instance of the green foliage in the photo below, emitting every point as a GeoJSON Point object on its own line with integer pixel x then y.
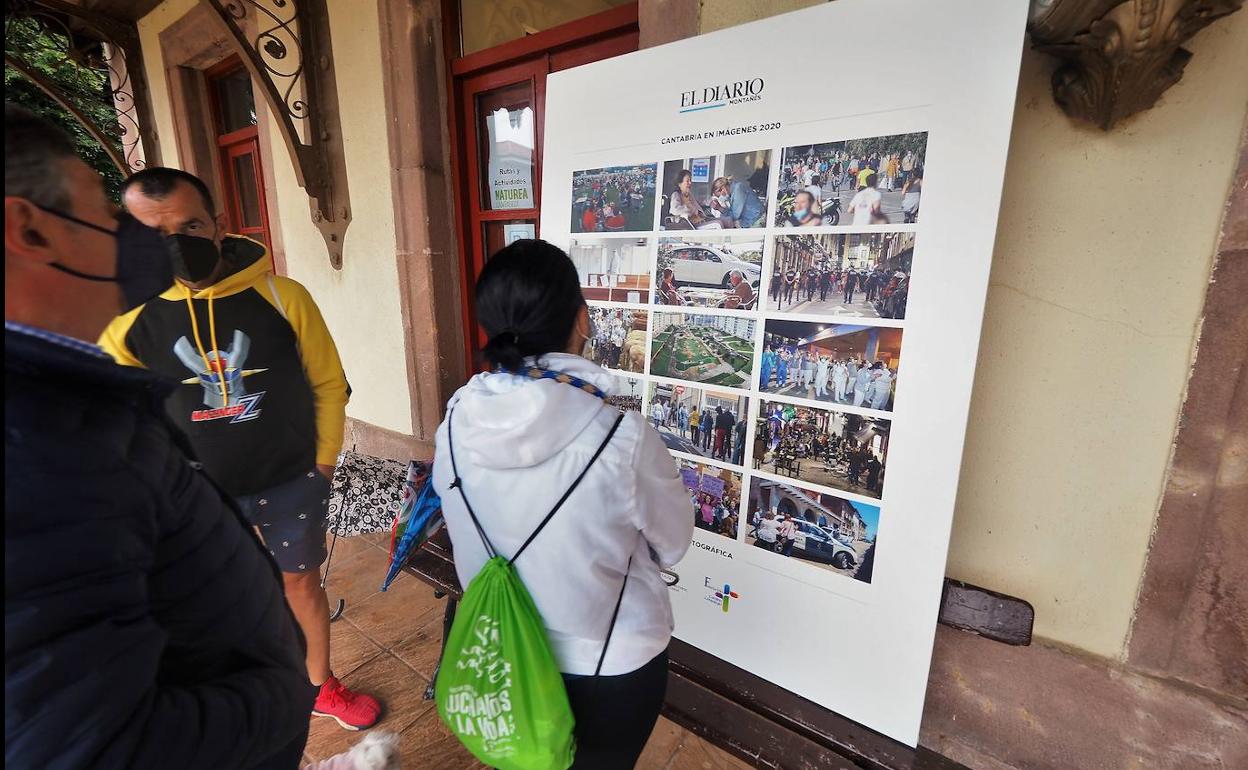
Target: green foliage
{"type": "Point", "coordinates": [85, 87]}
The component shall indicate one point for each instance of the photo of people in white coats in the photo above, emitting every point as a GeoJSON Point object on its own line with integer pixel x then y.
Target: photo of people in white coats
{"type": "Point", "coordinates": [838, 363]}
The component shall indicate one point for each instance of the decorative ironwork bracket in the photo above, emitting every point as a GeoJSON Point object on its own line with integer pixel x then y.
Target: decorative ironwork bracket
{"type": "Point", "coordinates": [285, 45]}
{"type": "Point", "coordinates": [111, 47]}
{"type": "Point", "coordinates": [1118, 56]}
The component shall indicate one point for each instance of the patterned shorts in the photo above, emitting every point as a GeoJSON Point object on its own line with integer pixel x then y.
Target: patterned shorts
{"type": "Point", "coordinates": [291, 519]}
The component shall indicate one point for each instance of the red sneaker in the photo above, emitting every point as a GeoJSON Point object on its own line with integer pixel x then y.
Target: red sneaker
{"type": "Point", "coordinates": [352, 710]}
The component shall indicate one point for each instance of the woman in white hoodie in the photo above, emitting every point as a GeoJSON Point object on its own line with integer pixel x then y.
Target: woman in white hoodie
{"type": "Point", "coordinates": [523, 432]}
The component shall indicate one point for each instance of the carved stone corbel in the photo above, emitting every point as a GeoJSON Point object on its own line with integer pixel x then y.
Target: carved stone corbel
{"type": "Point", "coordinates": [1118, 56]}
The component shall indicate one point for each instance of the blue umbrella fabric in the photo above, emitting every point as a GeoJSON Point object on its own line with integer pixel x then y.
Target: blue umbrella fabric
{"type": "Point", "coordinates": [423, 518]}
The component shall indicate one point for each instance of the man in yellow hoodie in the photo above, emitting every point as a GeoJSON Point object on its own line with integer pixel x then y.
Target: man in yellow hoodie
{"type": "Point", "coordinates": [263, 395]}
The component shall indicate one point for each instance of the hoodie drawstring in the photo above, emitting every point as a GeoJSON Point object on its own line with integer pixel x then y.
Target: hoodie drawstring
{"type": "Point", "coordinates": [212, 337]}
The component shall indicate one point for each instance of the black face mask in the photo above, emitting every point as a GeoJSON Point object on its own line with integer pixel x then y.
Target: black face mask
{"type": "Point", "coordinates": [193, 258]}
{"type": "Point", "coordinates": [143, 269]}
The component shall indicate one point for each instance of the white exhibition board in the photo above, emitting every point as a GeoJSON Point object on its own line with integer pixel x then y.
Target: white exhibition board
{"type": "Point", "coordinates": [908, 88]}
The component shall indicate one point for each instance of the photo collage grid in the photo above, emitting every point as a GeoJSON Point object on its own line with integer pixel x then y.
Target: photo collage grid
{"type": "Point", "coordinates": [752, 306]}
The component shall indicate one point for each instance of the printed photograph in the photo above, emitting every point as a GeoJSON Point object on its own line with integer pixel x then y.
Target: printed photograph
{"type": "Point", "coordinates": [855, 275]}
{"type": "Point", "coordinates": [818, 528]}
{"type": "Point", "coordinates": [613, 269]}
{"type": "Point", "coordinates": [614, 199]}
{"type": "Point", "coordinates": [837, 363]}
{"type": "Point", "coordinates": [831, 448]}
{"type": "Point", "coordinates": [713, 349]}
{"type": "Point", "coordinates": [721, 272]}
{"type": "Point", "coordinates": [700, 421]}
{"type": "Point", "coordinates": [617, 338]}
{"type": "Point", "coordinates": [715, 192]}
{"type": "Point", "coordinates": [626, 393]}
{"type": "Point", "coordinates": [872, 181]}
{"type": "Point", "coordinates": [714, 494]}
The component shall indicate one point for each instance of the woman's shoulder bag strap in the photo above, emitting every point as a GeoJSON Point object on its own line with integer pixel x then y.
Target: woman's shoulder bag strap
{"type": "Point", "coordinates": [459, 484]}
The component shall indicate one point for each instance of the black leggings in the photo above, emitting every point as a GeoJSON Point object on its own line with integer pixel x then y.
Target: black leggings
{"type": "Point", "coordinates": [616, 714]}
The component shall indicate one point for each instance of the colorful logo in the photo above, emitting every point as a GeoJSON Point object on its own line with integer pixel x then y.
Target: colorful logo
{"type": "Point", "coordinates": [220, 374]}
{"type": "Point", "coordinates": [721, 95]}
{"type": "Point", "coordinates": [723, 597]}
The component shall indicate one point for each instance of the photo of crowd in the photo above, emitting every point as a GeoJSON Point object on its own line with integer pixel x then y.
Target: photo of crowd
{"type": "Point", "coordinates": [614, 199]}
{"type": "Point", "coordinates": [825, 530]}
{"type": "Point", "coordinates": [700, 422]}
{"type": "Point", "coordinates": [859, 275]}
{"type": "Point", "coordinates": [715, 192]}
{"type": "Point", "coordinates": [835, 449]}
{"type": "Point", "coordinates": [715, 495]}
{"type": "Point", "coordinates": [626, 393]}
{"type": "Point", "coordinates": [837, 363]}
{"type": "Point", "coordinates": [617, 338]}
{"type": "Point", "coordinates": [878, 180]}
{"type": "Point", "coordinates": [714, 349]}
{"type": "Point", "coordinates": [613, 269]}
{"type": "Point", "coordinates": [721, 272]}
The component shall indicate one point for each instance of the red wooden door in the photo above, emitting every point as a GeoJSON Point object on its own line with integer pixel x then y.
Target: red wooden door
{"type": "Point", "coordinates": [497, 125]}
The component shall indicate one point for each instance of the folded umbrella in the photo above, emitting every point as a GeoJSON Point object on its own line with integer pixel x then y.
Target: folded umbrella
{"type": "Point", "coordinates": [420, 517]}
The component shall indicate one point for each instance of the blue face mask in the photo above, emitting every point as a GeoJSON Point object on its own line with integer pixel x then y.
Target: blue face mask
{"type": "Point", "coordinates": [800, 214]}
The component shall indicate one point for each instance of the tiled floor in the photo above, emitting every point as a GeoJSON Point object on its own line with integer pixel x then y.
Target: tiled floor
{"type": "Point", "coordinates": [388, 644]}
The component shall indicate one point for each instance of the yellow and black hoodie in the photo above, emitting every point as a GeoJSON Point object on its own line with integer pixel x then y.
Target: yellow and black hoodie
{"type": "Point", "coordinates": [263, 394]}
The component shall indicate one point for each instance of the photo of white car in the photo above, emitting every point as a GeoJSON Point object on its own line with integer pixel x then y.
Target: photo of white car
{"type": "Point", "coordinates": [706, 265]}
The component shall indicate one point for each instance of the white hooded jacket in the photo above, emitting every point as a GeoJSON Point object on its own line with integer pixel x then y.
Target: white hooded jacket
{"type": "Point", "coordinates": [519, 444]}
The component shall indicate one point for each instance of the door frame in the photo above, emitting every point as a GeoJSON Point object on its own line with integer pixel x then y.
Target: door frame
{"type": "Point", "coordinates": [469, 207]}
{"type": "Point", "coordinates": [538, 55]}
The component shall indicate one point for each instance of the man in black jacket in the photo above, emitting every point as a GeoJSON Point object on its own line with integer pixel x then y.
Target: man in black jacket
{"type": "Point", "coordinates": [145, 625]}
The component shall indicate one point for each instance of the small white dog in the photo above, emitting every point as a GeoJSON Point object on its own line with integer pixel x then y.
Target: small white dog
{"type": "Point", "coordinates": [378, 751]}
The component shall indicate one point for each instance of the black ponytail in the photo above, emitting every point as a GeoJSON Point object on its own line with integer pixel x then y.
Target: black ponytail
{"type": "Point", "coordinates": [528, 299]}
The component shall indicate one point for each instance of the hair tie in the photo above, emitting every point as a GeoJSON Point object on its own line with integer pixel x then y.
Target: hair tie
{"type": "Point", "coordinates": [515, 335]}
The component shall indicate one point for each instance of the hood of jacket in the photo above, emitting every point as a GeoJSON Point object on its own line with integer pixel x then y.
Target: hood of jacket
{"type": "Point", "coordinates": [505, 420]}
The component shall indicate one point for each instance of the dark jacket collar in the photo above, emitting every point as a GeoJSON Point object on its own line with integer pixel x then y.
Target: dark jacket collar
{"type": "Point", "coordinates": [29, 356]}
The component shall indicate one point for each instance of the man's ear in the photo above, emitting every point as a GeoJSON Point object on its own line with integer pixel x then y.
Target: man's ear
{"type": "Point", "coordinates": [23, 236]}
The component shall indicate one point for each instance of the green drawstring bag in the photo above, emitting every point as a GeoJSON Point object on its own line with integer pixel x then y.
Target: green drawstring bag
{"type": "Point", "coordinates": [499, 689]}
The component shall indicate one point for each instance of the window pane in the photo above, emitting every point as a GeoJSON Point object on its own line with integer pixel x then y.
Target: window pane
{"type": "Point", "coordinates": [236, 107]}
{"type": "Point", "coordinates": [245, 188]}
{"type": "Point", "coordinates": [506, 132]}
{"type": "Point", "coordinates": [500, 234]}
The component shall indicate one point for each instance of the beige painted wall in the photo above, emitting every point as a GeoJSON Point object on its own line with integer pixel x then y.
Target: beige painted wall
{"type": "Point", "coordinates": [150, 27]}
{"type": "Point", "coordinates": [1103, 252]}
{"type": "Point", "coordinates": [487, 23]}
{"type": "Point", "coordinates": [361, 302]}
